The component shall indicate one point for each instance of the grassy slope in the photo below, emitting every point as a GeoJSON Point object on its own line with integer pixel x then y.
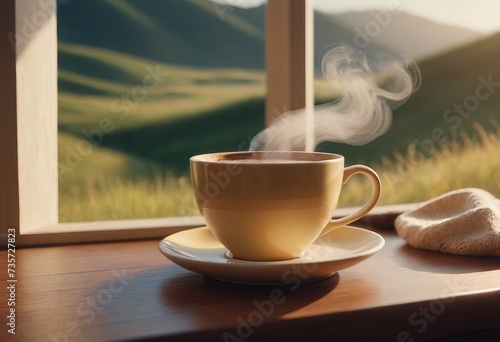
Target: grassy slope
{"type": "Point", "coordinates": [109, 185]}
{"type": "Point", "coordinates": [86, 98]}
{"type": "Point", "coordinates": [79, 165]}
{"type": "Point", "coordinates": [172, 143]}
{"type": "Point", "coordinates": [410, 178]}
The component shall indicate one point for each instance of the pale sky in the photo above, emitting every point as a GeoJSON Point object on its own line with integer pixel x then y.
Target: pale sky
{"type": "Point", "coordinates": [478, 15]}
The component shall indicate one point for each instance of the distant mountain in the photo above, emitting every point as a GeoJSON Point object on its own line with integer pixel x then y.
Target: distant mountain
{"type": "Point", "coordinates": [197, 33]}
{"type": "Point", "coordinates": [414, 36]}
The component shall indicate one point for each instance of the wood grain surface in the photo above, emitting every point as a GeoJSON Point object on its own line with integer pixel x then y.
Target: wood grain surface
{"type": "Point", "coordinates": [129, 291]}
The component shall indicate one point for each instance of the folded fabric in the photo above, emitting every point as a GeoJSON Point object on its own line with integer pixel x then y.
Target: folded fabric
{"type": "Point", "coordinates": [465, 221]}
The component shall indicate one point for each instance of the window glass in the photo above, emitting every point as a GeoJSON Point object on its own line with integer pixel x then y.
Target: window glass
{"type": "Point", "coordinates": [144, 85]}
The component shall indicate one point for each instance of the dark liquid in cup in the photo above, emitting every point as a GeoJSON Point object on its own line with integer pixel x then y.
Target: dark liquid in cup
{"type": "Point", "coordinates": [270, 157]}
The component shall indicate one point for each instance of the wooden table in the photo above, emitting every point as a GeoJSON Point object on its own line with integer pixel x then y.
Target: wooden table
{"type": "Point", "coordinates": [129, 291]}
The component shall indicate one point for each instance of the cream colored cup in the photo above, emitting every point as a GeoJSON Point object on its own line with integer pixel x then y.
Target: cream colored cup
{"type": "Point", "coordinates": [273, 205]}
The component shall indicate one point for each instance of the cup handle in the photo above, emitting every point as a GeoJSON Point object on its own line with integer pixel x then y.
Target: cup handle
{"type": "Point", "coordinates": [375, 182]}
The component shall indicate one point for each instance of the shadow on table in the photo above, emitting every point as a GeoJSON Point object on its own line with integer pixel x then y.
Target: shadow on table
{"type": "Point", "coordinates": [171, 300]}
{"type": "Point", "coordinates": [207, 296]}
{"type": "Point", "coordinates": [438, 262]}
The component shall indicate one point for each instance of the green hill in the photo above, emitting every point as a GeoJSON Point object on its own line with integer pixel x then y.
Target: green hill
{"type": "Point", "coordinates": [182, 32]}
{"type": "Point", "coordinates": [171, 144]}
{"type": "Point", "coordinates": [115, 89]}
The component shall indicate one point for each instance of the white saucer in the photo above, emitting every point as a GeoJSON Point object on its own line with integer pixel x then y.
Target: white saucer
{"type": "Point", "coordinates": [199, 251]}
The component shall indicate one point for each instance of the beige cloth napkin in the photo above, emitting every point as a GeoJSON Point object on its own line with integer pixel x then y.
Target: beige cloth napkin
{"type": "Point", "coordinates": [465, 221]}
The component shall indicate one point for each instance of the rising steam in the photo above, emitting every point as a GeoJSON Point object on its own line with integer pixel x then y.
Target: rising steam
{"type": "Point", "coordinates": [368, 85]}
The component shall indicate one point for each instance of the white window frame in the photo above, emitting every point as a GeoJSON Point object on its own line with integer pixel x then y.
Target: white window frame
{"type": "Point", "coordinates": [28, 119]}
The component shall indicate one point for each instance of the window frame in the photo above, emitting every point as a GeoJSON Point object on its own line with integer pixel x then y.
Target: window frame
{"type": "Point", "coordinates": [28, 129]}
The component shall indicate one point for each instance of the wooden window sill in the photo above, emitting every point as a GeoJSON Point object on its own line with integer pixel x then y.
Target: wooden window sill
{"type": "Point", "coordinates": [129, 291]}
